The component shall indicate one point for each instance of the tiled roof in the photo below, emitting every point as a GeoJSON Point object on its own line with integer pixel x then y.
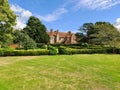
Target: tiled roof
{"type": "Point", "coordinates": [61, 34]}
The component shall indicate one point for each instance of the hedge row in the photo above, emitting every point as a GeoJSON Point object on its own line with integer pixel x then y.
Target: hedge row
{"type": "Point", "coordinates": [52, 50]}
{"type": "Point", "coordinates": [87, 51]}
{"type": "Point", "coordinates": [23, 52]}
{"type": "Point", "coordinates": [61, 50]}
{"type": "Point", "coordinates": [68, 51]}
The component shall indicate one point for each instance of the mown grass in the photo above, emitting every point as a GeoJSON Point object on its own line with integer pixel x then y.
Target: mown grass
{"type": "Point", "coordinates": [74, 72]}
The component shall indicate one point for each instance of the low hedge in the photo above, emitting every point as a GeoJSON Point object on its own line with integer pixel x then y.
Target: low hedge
{"type": "Point", "coordinates": [68, 51]}
{"type": "Point", "coordinates": [86, 51]}
{"type": "Point", "coordinates": [113, 50]}
{"type": "Point", "coordinates": [24, 52]}
{"type": "Point", "coordinates": [61, 50]}
{"type": "Point", "coordinates": [52, 50]}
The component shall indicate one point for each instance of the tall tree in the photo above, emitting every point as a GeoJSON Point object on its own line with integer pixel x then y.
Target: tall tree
{"type": "Point", "coordinates": [106, 34]}
{"type": "Point", "coordinates": [36, 30]}
{"type": "Point", "coordinates": [7, 20]}
{"type": "Point", "coordinates": [6, 14]}
{"type": "Point", "coordinates": [84, 33]}
{"type": "Point", "coordinates": [23, 40]}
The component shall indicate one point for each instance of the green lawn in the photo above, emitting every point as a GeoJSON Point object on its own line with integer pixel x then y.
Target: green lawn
{"type": "Point", "coordinates": [74, 72]}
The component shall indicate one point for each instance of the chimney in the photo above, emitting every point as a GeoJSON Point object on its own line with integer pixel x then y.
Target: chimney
{"type": "Point", "coordinates": [51, 30]}
{"type": "Point", "coordinates": [69, 32]}
{"type": "Point", "coordinates": [57, 31]}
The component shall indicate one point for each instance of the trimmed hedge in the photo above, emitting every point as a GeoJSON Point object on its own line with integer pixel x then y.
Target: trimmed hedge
{"type": "Point", "coordinates": [24, 52]}
{"type": "Point", "coordinates": [41, 45]}
{"type": "Point", "coordinates": [52, 50]}
{"type": "Point", "coordinates": [68, 51]}
{"type": "Point", "coordinates": [87, 51]}
{"type": "Point", "coordinates": [63, 50]}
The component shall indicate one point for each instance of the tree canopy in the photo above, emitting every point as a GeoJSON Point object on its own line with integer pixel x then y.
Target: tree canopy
{"type": "Point", "coordinates": [6, 14]}
{"type": "Point", "coordinates": [23, 40]}
{"type": "Point", "coordinates": [100, 33]}
{"type": "Point", "coordinates": [105, 34]}
{"type": "Point", "coordinates": [7, 20]}
{"type": "Point", "coordinates": [36, 30]}
{"type": "Point", "coordinates": [84, 33]}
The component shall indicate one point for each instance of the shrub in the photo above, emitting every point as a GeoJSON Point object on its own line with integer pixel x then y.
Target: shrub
{"type": "Point", "coordinates": [28, 43]}
{"type": "Point", "coordinates": [86, 51]}
{"type": "Point", "coordinates": [1, 52]}
{"type": "Point", "coordinates": [113, 50]}
{"type": "Point", "coordinates": [24, 41]}
{"type": "Point", "coordinates": [7, 48]}
{"type": "Point", "coordinates": [53, 50]}
{"type": "Point", "coordinates": [24, 52]}
{"type": "Point", "coordinates": [67, 51]}
{"type": "Point", "coordinates": [63, 50]}
{"type": "Point", "coordinates": [41, 45]}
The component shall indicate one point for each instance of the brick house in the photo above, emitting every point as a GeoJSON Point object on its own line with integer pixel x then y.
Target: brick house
{"type": "Point", "coordinates": [62, 37]}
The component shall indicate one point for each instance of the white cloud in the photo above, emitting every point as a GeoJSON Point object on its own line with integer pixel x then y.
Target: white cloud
{"type": "Point", "coordinates": [23, 16]}
{"type": "Point", "coordinates": [53, 16]}
{"type": "Point", "coordinates": [95, 4]}
{"type": "Point", "coordinates": [117, 23]}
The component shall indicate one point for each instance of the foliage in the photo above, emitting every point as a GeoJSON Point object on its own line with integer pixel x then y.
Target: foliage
{"type": "Point", "coordinates": [5, 39]}
{"type": "Point", "coordinates": [100, 33]}
{"type": "Point", "coordinates": [68, 51]}
{"type": "Point", "coordinates": [7, 20]}
{"type": "Point", "coordinates": [81, 37]}
{"type": "Point", "coordinates": [23, 52]}
{"type": "Point", "coordinates": [63, 50]}
{"type": "Point", "coordinates": [84, 34]}
{"type": "Point", "coordinates": [24, 40]}
{"type": "Point", "coordinates": [41, 45]}
{"type": "Point", "coordinates": [6, 14]}
{"type": "Point", "coordinates": [36, 30]}
{"type": "Point", "coordinates": [53, 50]}
{"type": "Point", "coordinates": [106, 34]}
{"type": "Point", "coordinates": [28, 43]}
{"type": "Point", "coordinates": [87, 51]}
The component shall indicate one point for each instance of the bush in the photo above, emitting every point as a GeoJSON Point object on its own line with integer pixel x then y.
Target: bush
{"type": "Point", "coordinates": [23, 52]}
{"type": "Point", "coordinates": [7, 48]}
{"type": "Point", "coordinates": [24, 41]}
{"type": "Point", "coordinates": [65, 45]}
{"type": "Point", "coordinates": [28, 43]}
{"type": "Point", "coordinates": [3, 50]}
{"type": "Point", "coordinates": [41, 45]}
{"type": "Point", "coordinates": [1, 53]}
{"type": "Point", "coordinates": [86, 51]}
{"type": "Point", "coordinates": [68, 51]}
{"type": "Point", "coordinates": [63, 50]}
{"type": "Point", "coordinates": [53, 50]}
{"type": "Point", "coordinates": [113, 50]}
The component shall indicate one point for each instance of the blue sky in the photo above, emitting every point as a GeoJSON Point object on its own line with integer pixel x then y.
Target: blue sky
{"type": "Point", "coordinates": [67, 15]}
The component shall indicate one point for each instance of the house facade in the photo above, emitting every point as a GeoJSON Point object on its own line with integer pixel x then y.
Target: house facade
{"type": "Point", "coordinates": [57, 37]}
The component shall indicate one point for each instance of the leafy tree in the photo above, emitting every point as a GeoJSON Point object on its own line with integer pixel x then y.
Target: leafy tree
{"type": "Point", "coordinates": [84, 33]}
{"type": "Point", "coordinates": [105, 34]}
{"type": "Point", "coordinates": [81, 38]}
{"type": "Point", "coordinates": [24, 40]}
{"type": "Point", "coordinates": [6, 40]}
{"type": "Point", "coordinates": [36, 30]}
{"type": "Point", "coordinates": [100, 33]}
{"type": "Point", "coordinates": [28, 43]}
{"type": "Point", "coordinates": [7, 20]}
{"type": "Point", "coordinates": [6, 14]}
